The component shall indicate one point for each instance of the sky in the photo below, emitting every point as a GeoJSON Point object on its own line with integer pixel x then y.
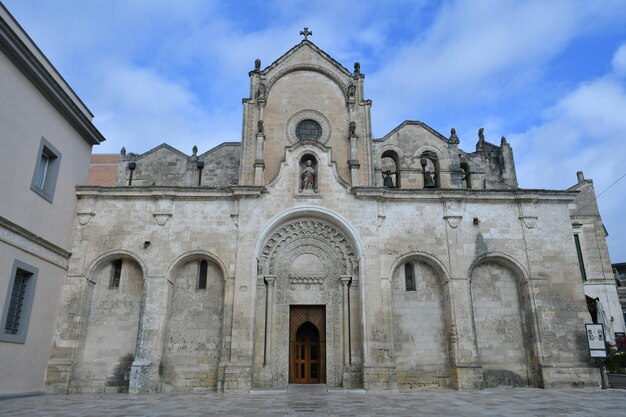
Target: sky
{"type": "Point", "coordinates": [548, 75]}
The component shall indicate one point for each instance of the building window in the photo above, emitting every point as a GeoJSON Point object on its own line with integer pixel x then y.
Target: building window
{"type": "Point", "coordinates": [390, 166]}
{"type": "Point", "coordinates": [308, 129]}
{"type": "Point", "coordinates": [409, 277]}
{"type": "Point", "coordinates": [19, 300]}
{"type": "Point", "coordinates": [46, 170]}
{"type": "Point", "coordinates": [581, 263]}
{"type": "Point", "coordinates": [202, 275]}
{"type": "Point", "coordinates": [116, 274]}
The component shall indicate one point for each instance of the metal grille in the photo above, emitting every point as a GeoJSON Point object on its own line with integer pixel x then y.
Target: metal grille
{"type": "Point", "coordinates": [308, 129]}
{"type": "Point", "coordinates": [17, 301]}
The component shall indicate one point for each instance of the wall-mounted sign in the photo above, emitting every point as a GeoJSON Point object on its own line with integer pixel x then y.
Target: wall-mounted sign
{"type": "Point", "coordinates": [596, 340]}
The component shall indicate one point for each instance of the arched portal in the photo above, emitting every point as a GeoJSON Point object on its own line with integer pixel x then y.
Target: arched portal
{"type": "Point", "coordinates": [308, 268]}
{"type": "Point", "coordinates": [307, 353]}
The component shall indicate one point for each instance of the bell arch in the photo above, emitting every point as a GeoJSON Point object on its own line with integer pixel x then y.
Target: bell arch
{"type": "Point", "coordinates": [504, 321]}
{"type": "Point", "coordinates": [307, 260]}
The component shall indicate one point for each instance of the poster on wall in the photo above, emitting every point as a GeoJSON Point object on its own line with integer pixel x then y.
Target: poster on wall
{"type": "Point", "coordinates": [596, 340]}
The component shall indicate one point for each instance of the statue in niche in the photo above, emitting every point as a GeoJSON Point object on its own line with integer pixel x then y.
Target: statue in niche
{"type": "Point", "coordinates": [387, 179]}
{"type": "Point", "coordinates": [257, 65]}
{"type": "Point", "coordinates": [308, 176]}
{"type": "Point", "coordinates": [261, 92]}
{"type": "Point", "coordinates": [260, 126]}
{"type": "Point", "coordinates": [351, 91]}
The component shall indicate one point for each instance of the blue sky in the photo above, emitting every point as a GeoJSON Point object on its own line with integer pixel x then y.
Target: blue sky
{"type": "Point", "coordinates": [548, 75]}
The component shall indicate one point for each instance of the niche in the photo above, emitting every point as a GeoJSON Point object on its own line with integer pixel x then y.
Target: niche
{"type": "Point", "coordinates": [390, 167]}
{"type": "Point", "coordinates": [308, 174]}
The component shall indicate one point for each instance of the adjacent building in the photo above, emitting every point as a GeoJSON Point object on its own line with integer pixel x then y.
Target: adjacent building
{"type": "Point", "coordinates": [47, 137]}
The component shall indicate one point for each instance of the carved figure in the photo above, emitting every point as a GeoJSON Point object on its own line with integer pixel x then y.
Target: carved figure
{"type": "Point", "coordinates": [481, 134]}
{"type": "Point", "coordinates": [387, 179]}
{"type": "Point", "coordinates": [257, 65]}
{"type": "Point", "coordinates": [123, 151]}
{"type": "Point", "coordinates": [262, 90]}
{"type": "Point", "coordinates": [194, 150]}
{"type": "Point", "coordinates": [308, 176]}
{"type": "Point", "coordinates": [351, 90]}
{"type": "Point", "coordinates": [357, 67]}
{"type": "Point", "coordinates": [352, 128]}
{"type": "Point", "coordinates": [260, 126]}
{"type": "Point", "coordinates": [453, 136]}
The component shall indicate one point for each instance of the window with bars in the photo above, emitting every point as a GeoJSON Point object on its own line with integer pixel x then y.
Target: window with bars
{"type": "Point", "coordinates": [19, 299]}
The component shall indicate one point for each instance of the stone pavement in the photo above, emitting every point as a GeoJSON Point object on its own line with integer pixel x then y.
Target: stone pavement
{"type": "Point", "coordinates": [488, 402]}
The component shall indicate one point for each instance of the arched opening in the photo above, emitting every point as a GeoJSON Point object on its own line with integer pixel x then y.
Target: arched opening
{"type": "Point", "coordinates": [115, 291]}
{"type": "Point", "coordinates": [390, 167]}
{"type": "Point", "coordinates": [309, 178]}
{"type": "Point", "coordinates": [466, 180]}
{"type": "Point", "coordinates": [420, 312]}
{"type": "Point", "coordinates": [307, 271]}
{"type": "Point", "coordinates": [503, 323]}
{"type": "Point", "coordinates": [193, 331]}
{"type": "Point", "coordinates": [430, 169]}
{"type": "Point", "coordinates": [306, 355]}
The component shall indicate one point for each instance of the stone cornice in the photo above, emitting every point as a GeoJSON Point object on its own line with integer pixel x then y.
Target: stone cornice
{"type": "Point", "coordinates": [381, 193]}
{"type": "Point", "coordinates": [31, 66]}
{"type": "Point", "coordinates": [177, 193]}
{"type": "Point", "coordinates": [27, 241]}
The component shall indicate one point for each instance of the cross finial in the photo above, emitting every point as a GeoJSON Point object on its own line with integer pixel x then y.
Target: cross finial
{"type": "Point", "coordinates": [306, 33]}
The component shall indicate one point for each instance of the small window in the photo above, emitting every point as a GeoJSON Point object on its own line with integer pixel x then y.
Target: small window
{"type": "Point", "coordinates": [202, 275]}
{"type": "Point", "coordinates": [46, 170]}
{"type": "Point", "coordinates": [409, 277]}
{"type": "Point", "coordinates": [116, 274]}
{"type": "Point", "coordinates": [18, 303]}
{"type": "Point", "coordinates": [581, 262]}
{"type": "Point", "coordinates": [308, 129]}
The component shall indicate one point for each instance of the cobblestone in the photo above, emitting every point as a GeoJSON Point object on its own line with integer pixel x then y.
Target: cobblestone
{"type": "Point", "coordinates": [489, 402]}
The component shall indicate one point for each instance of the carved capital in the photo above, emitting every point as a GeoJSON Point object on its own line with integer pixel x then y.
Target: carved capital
{"type": "Point", "coordinates": [269, 279]}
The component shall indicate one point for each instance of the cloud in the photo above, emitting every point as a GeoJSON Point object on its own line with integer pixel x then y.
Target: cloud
{"type": "Point", "coordinates": [583, 131]}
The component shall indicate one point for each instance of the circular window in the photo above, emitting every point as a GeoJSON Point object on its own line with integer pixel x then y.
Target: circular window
{"type": "Point", "coordinates": [308, 129]}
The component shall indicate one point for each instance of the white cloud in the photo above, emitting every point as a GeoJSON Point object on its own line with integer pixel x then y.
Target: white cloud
{"type": "Point", "coordinates": [619, 61]}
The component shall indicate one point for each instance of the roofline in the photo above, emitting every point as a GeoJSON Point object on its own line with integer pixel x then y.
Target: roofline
{"type": "Point", "coordinates": [315, 48]}
{"type": "Point", "coordinates": [413, 123]}
{"type": "Point", "coordinates": [35, 70]}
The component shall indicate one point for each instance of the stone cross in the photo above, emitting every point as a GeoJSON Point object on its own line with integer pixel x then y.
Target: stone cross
{"type": "Point", "coordinates": [306, 33]}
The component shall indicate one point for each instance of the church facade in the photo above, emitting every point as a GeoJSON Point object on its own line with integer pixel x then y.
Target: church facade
{"type": "Point", "coordinates": [311, 252]}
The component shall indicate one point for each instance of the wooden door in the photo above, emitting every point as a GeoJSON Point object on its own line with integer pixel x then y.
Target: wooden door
{"type": "Point", "coordinates": [307, 355]}
{"type": "Point", "coordinates": [307, 351]}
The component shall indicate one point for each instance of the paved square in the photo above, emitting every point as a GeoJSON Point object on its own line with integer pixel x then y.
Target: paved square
{"type": "Point", "coordinates": [489, 402]}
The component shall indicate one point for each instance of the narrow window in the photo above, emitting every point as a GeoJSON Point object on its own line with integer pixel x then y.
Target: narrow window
{"type": "Point", "coordinates": [18, 303]}
{"type": "Point", "coordinates": [581, 263]}
{"type": "Point", "coordinates": [116, 273]}
{"type": "Point", "coordinates": [409, 277]}
{"type": "Point", "coordinates": [466, 176]}
{"type": "Point", "coordinates": [46, 170]}
{"type": "Point", "coordinates": [202, 275]}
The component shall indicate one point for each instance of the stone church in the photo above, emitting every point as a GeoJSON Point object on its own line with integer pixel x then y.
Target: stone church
{"type": "Point", "coordinates": [311, 252]}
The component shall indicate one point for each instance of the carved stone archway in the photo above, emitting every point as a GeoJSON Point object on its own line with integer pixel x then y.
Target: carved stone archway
{"type": "Point", "coordinates": [308, 262]}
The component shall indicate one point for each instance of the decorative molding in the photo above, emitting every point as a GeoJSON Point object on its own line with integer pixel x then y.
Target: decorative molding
{"type": "Point", "coordinates": [529, 221]}
{"type": "Point", "coordinates": [29, 242]}
{"type": "Point", "coordinates": [84, 218]}
{"type": "Point", "coordinates": [453, 221]}
{"type": "Point", "coordinates": [307, 279]}
{"type": "Point", "coordinates": [162, 218]}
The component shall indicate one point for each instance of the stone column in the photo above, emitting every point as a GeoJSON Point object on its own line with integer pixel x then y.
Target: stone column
{"type": "Point", "coordinates": [259, 163]}
{"type": "Point", "coordinates": [345, 281]}
{"type": "Point", "coordinates": [269, 314]}
{"type": "Point", "coordinates": [144, 374]}
{"type": "Point", "coordinates": [354, 161]}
